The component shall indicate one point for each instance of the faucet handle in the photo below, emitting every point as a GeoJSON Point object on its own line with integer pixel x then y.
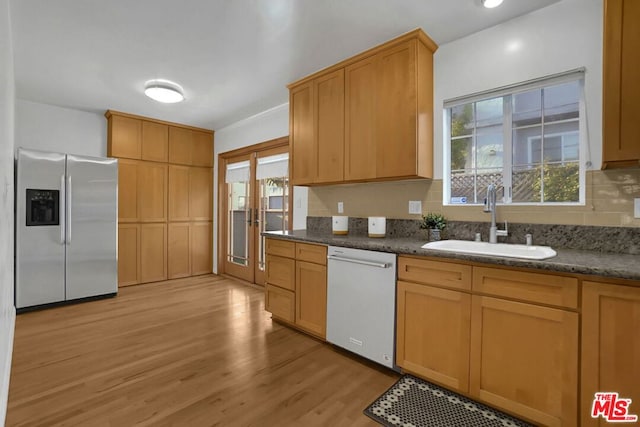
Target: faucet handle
{"type": "Point", "coordinates": [486, 205]}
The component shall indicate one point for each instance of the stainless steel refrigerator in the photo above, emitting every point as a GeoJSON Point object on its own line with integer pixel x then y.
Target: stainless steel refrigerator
{"type": "Point", "coordinates": [66, 227]}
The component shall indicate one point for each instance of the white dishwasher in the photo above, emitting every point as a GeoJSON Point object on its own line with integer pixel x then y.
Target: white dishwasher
{"type": "Point", "coordinates": [361, 302]}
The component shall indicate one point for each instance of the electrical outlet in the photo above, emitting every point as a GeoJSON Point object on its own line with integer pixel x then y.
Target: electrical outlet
{"type": "Point", "coordinates": [415, 207]}
{"type": "Point", "coordinates": [340, 207]}
{"type": "Point", "coordinates": [636, 208]}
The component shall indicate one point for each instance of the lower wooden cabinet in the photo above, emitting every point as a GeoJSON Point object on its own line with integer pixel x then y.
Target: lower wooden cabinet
{"type": "Point", "coordinates": [311, 297]}
{"type": "Point", "coordinates": [189, 249]}
{"type": "Point", "coordinates": [296, 288]}
{"type": "Point", "coordinates": [524, 359]}
{"type": "Point", "coordinates": [610, 346]}
{"type": "Point", "coordinates": [128, 254]}
{"type": "Point", "coordinates": [153, 252]}
{"type": "Point", "coordinates": [280, 302]}
{"type": "Point", "coordinates": [179, 250]}
{"type": "Point", "coordinates": [504, 337]}
{"type": "Point", "coordinates": [201, 248]}
{"type": "Point", "coordinates": [433, 328]}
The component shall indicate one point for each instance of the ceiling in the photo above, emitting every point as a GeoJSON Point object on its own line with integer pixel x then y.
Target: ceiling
{"type": "Point", "coordinates": [233, 58]}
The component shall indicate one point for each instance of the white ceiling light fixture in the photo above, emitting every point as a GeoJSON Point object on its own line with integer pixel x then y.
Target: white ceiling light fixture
{"type": "Point", "coordinates": [490, 4]}
{"type": "Point", "coordinates": [164, 91]}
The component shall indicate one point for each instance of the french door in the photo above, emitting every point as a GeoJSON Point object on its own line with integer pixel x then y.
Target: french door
{"type": "Point", "coordinates": [256, 199]}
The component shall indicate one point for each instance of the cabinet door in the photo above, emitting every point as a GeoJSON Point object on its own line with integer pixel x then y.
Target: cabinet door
{"type": "Point", "coordinates": [153, 252]}
{"type": "Point", "coordinates": [396, 118]}
{"type": "Point", "coordinates": [328, 94]}
{"type": "Point", "coordinates": [128, 254]}
{"type": "Point", "coordinates": [200, 194]}
{"type": "Point", "coordinates": [201, 249]}
{"type": "Point", "coordinates": [281, 303]}
{"type": "Point", "coordinates": [152, 192]}
{"type": "Point", "coordinates": [301, 129]}
{"type": "Point", "coordinates": [178, 193]}
{"type": "Point", "coordinates": [433, 327]}
{"type": "Point", "coordinates": [155, 141]}
{"type": "Point", "coordinates": [621, 87]}
{"type": "Point", "coordinates": [180, 145]}
{"type": "Point", "coordinates": [127, 190]}
{"type": "Point", "coordinates": [311, 297]}
{"type": "Point", "coordinates": [360, 119]}
{"type": "Point", "coordinates": [610, 345]}
{"type": "Point", "coordinates": [125, 137]}
{"type": "Point", "coordinates": [202, 149]}
{"type": "Point", "coordinates": [524, 359]}
{"type": "Point", "coordinates": [179, 250]}
{"type": "Point", "coordinates": [281, 272]}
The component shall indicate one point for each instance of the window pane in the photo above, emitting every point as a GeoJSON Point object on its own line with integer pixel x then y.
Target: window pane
{"type": "Point", "coordinates": [489, 112]}
{"type": "Point", "coordinates": [562, 182]}
{"type": "Point", "coordinates": [561, 102]}
{"type": "Point", "coordinates": [489, 150]}
{"type": "Point", "coordinates": [561, 142]}
{"type": "Point", "coordinates": [462, 120]}
{"type": "Point", "coordinates": [461, 150]}
{"type": "Point", "coordinates": [486, 177]}
{"type": "Point", "coordinates": [527, 146]}
{"type": "Point", "coordinates": [237, 220]}
{"type": "Point", "coordinates": [527, 108]}
{"type": "Point", "coordinates": [525, 183]}
{"type": "Point", "coordinates": [462, 185]}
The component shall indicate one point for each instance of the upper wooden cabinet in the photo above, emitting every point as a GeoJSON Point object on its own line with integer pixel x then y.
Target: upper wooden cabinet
{"type": "Point", "coordinates": [155, 141]}
{"type": "Point", "coordinates": [124, 137]}
{"type": "Point", "coordinates": [142, 138]}
{"type": "Point", "coordinates": [200, 194]}
{"type": "Point", "coordinates": [367, 118]}
{"type": "Point", "coordinates": [190, 147]}
{"type": "Point", "coordinates": [301, 131]}
{"type": "Point", "coordinates": [202, 149]}
{"type": "Point", "coordinates": [621, 86]}
{"type": "Point", "coordinates": [317, 125]}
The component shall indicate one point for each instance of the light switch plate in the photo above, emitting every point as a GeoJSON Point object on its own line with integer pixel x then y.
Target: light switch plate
{"type": "Point", "coordinates": [636, 208]}
{"type": "Point", "coordinates": [415, 207]}
{"type": "Point", "coordinates": [340, 207]}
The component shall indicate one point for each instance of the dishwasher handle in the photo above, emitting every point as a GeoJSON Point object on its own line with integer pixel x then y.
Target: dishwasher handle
{"type": "Point", "coordinates": [359, 261]}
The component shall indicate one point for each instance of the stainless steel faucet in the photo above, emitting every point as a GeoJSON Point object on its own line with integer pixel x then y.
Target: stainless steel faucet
{"type": "Point", "coordinates": [490, 206]}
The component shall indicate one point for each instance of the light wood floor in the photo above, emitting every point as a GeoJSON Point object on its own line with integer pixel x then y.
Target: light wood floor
{"type": "Point", "coordinates": [190, 352]}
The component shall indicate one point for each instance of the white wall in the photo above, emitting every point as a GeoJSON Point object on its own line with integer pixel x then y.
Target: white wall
{"type": "Point", "coordinates": [270, 124]}
{"type": "Point", "coordinates": [7, 105]}
{"type": "Point", "coordinates": [64, 130]}
{"type": "Point", "coordinates": [560, 37]}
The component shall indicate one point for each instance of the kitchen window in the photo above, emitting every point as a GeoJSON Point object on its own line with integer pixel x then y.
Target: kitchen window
{"type": "Point", "coordinates": [526, 139]}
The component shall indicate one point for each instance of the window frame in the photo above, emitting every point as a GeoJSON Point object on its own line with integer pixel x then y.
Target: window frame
{"type": "Point", "coordinates": [577, 75]}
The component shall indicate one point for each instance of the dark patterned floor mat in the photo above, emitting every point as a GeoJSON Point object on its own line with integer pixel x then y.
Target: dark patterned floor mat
{"type": "Point", "coordinates": [412, 402]}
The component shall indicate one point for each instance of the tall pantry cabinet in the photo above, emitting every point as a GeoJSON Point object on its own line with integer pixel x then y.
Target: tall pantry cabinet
{"type": "Point", "coordinates": [165, 198]}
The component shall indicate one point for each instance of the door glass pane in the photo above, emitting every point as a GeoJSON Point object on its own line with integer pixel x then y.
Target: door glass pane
{"type": "Point", "coordinates": [274, 210]}
{"type": "Point", "coordinates": [238, 219]}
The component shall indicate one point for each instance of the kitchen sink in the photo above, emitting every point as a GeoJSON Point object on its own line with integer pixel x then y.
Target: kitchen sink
{"type": "Point", "coordinates": [492, 249]}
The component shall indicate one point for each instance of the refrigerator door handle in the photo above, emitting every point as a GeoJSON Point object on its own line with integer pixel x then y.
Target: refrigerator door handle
{"type": "Point", "coordinates": [61, 209]}
{"type": "Point", "coordinates": [68, 219]}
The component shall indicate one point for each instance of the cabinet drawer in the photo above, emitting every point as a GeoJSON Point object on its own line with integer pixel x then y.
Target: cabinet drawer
{"type": "Point", "coordinates": [280, 302]}
{"type": "Point", "coordinates": [281, 272]}
{"type": "Point", "coordinates": [444, 274]}
{"type": "Point", "coordinates": [281, 248]}
{"type": "Point", "coordinates": [530, 287]}
{"type": "Point", "coordinates": [311, 253]}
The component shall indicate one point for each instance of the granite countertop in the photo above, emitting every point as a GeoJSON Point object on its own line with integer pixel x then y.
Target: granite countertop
{"type": "Point", "coordinates": [620, 266]}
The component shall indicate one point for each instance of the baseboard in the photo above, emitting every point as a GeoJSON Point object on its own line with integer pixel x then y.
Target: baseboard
{"type": "Point", "coordinates": [5, 374]}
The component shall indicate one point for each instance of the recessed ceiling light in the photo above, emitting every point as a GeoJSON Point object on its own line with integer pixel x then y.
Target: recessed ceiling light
{"type": "Point", "coordinates": [489, 4]}
{"type": "Point", "coordinates": [163, 91]}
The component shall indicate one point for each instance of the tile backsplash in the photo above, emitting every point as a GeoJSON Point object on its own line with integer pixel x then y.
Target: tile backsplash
{"type": "Point", "coordinates": [609, 202]}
